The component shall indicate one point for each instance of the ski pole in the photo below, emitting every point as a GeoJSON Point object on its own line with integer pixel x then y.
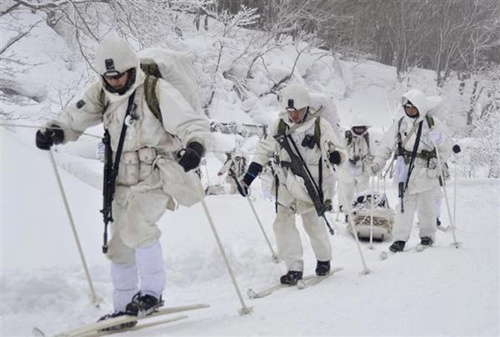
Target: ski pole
{"type": "Point", "coordinates": [274, 255]}
{"type": "Point", "coordinates": [96, 300]}
{"type": "Point", "coordinates": [41, 127]}
{"type": "Point", "coordinates": [455, 243]}
{"type": "Point", "coordinates": [371, 213]}
{"type": "Point", "coordinates": [244, 309]}
{"type": "Point", "coordinates": [456, 150]}
{"type": "Point", "coordinates": [351, 223]}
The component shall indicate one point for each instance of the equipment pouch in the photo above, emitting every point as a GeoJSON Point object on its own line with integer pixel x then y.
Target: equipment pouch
{"type": "Point", "coordinates": [128, 174]}
{"type": "Point", "coordinates": [147, 156]}
{"type": "Point", "coordinates": [432, 168]}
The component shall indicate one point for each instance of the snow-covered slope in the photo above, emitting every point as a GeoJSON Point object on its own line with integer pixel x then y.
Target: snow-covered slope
{"type": "Point", "coordinates": [441, 291]}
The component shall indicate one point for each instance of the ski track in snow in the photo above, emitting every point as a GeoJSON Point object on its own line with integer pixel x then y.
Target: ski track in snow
{"type": "Point", "coordinates": [440, 291]}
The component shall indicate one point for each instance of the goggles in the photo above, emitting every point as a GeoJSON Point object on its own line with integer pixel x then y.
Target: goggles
{"type": "Point", "coordinates": [408, 104]}
{"type": "Point", "coordinates": [114, 75]}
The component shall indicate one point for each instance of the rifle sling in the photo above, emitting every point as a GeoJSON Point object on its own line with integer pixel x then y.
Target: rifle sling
{"type": "Point", "coordinates": [119, 150]}
{"type": "Point", "coordinates": [414, 154]}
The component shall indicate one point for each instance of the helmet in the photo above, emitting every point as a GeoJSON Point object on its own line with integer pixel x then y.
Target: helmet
{"type": "Point", "coordinates": [295, 97]}
{"type": "Point", "coordinates": [417, 99]}
{"type": "Point", "coordinates": [359, 121]}
{"type": "Point", "coordinates": [114, 56]}
{"type": "Point", "coordinates": [359, 125]}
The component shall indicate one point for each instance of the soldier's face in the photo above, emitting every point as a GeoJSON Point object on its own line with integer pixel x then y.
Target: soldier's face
{"type": "Point", "coordinates": [297, 116]}
{"type": "Point", "coordinates": [117, 82]}
{"type": "Point", "coordinates": [411, 111]}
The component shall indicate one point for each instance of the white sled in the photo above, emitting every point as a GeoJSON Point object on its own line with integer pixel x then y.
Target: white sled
{"type": "Point", "coordinates": [215, 190]}
{"type": "Point", "coordinates": [383, 216]}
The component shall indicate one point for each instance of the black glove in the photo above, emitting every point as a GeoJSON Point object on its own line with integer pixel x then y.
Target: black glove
{"type": "Point", "coordinates": [191, 157]}
{"type": "Point", "coordinates": [253, 171]}
{"type": "Point", "coordinates": [45, 138]}
{"type": "Point", "coordinates": [456, 148]}
{"type": "Point", "coordinates": [335, 157]}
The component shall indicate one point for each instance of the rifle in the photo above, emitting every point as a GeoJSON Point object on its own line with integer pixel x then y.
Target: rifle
{"type": "Point", "coordinates": [299, 168]}
{"type": "Point", "coordinates": [111, 172]}
{"type": "Point", "coordinates": [108, 188]}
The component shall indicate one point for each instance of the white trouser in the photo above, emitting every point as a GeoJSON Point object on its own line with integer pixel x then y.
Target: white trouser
{"type": "Point", "coordinates": [439, 203]}
{"type": "Point", "coordinates": [348, 185]}
{"type": "Point", "coordinates": [288, 237]}
{"type": "Point", "coordinates": [135, 224]}
{"type": "Point", "coordinates": [424, 204]}
{"type": "Point", "coordinates": [149, 269]}
{"type": "Point", "coordinates": [125, 284]}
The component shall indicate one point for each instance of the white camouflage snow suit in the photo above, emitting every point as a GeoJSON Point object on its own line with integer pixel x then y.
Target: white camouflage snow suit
{"type": "Point", "coordinates": [423, 184]}
{"type": "Point", "coordinates": [354, 174]}
{"type": "Point", "coordinates": [292, 195]}
{"type": "Point", "coordinates": [149, 180]}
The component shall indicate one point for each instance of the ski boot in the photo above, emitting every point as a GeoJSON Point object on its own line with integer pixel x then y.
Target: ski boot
{"type": "Point", "coordinates": [291, 278]}
{"type": "Point", "coordinates": [397, 246]}
{"type": "Point", "coordinates": [119, 326]}
{"type": "Point", "coordinates": [143, 305]}
{"type": "Point", "coordinates": [426, 241]}
{"type": "Point", "coordinates": [322, 268]}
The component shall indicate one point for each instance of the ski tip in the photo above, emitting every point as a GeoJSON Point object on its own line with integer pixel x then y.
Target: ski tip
{"type": "Point", "coordinates": [37, 332]}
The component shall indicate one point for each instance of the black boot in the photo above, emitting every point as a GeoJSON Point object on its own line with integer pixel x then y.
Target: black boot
{"type": "Point", "coordinates": [397, 246]}
{"type": "Point", "coordinates": [322, 268]}
{"type": "Point", "coordinates": [291, 278]}
{"type": "Point", "coordinates": [143, 305]}
{"type": "Point", "coordinates": [119, 326]}
{"type": "Point", "coordinates": [426, 241]}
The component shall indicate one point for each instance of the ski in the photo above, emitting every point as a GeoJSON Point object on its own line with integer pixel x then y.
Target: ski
{"type": "Point", "coordinates": [444, 229]}
{"type": "Point", "coordinates": [94, 328]}
{"type": "Point", "coordinates": [139, 326]}
{"type": "Point", "coordinates": [314, 279]}
{"type": "Point", "coordinates": [306, 282]}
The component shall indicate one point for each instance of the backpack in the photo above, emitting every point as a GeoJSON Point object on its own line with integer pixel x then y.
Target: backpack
{"type": "Point", "coordinates": [174, 67]}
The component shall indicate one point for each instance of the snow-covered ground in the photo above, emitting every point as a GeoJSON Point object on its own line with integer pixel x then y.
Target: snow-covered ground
{"type": "Point", "coordinates": [442, 291]}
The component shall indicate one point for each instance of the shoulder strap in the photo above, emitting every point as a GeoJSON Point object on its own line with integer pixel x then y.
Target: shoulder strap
{"type": "Point", "coordinates": [151, 99]}
{"type": "Point", "coordinates": [348, 136]}
{"type": "Point", "coordinates": [282, 127]}
{"type": "Point", "coordinates": [430, 121]}
{"type": "Point", "coordinates": [366, 136]}
{"type": "Point", "coordinates": [402, 142]}
{"type": "Point", "coordinates": [317, 132]}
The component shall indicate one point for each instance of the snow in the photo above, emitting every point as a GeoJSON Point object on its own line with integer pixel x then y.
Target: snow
{"type": "Point", "coordinates": [442, 291]}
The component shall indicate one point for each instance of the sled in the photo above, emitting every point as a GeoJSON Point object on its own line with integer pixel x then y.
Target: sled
{"type": "Point", "coordinates": [383, 216]}
{"type": "Point", "coordinates": [215, 190]}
